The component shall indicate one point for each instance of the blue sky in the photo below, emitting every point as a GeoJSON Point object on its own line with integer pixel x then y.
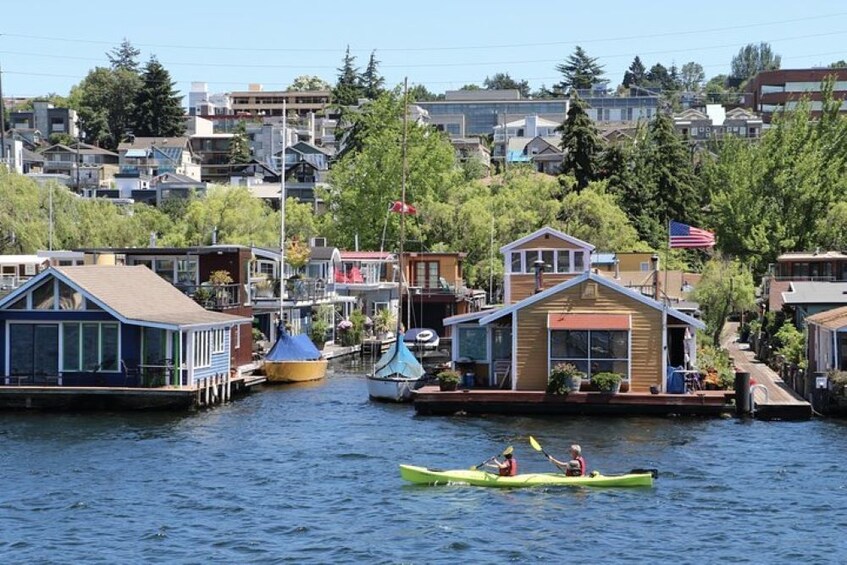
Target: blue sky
{"type": "Point", "coordinates": [48, 46]}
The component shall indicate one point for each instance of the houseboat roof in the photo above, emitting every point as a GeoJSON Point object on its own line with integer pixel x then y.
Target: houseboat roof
{"type": "Point", "coordinates": [815, 292]}
{"type": "Point", "coordinates": [21, 259]}
{"type": "Point", "coordinates": [834, 319]}
{"type": "Point", "coordinates": [367, 256]}
{"type": "Point", "coordinates": [469, 317]}
{"type": "Point", "coordinates": [589, 276]}
{"type": "Point", "coordinates": [134, 295]}
{"type": "Point", "coordinates": [196, 250]}
{"type": "Point", "coordinates": [810, 256]}
{"type": "Point", "coordinates": [550, 232]}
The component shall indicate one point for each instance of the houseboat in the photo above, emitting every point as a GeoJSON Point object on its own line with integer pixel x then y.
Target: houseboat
{"type": "Point", "coordinates": [111, 337]}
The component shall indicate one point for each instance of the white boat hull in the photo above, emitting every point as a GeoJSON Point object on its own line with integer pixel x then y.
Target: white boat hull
{"type": "Point", "coordinates": [390, 389]}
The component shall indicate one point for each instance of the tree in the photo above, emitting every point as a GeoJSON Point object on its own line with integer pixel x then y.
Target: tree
{"type": "Point", "coordinates": [125, 57]}
{"type": "Point", "coordinates": [839, 64]}
{"type": "Point", "coordinates": [308, 82]}
{"type": "Point", "coordinates": [372, 82]}
{"type": "Point", "coordinates": [752, 59]}
{"type": "Point", "coordinates": [502, 81]}
{"type": "Point", "coordinates": [658, 77]}
{"type": "Point", "coordinates": [239, 146]}
{"type": "Point", "coordinates": [634, 75]}
{"type": "Point", "coordinates": [158, 106]}
{"type": "Point", "coordinates": [347, 89]}
{"type": "Point", "coordinates": [692, 76]}
{"type": "Point", "coordinates": [594, 215]}
{"type": "Point", "coordinates": [105, 100]}
{"type": "Point", "coordinates": [580, 143]}
{"type": "Point", "coordinates": [419, 93]}
{"type": "Point", "coordinates": [716, 88]}
{"type": "Point", "coordinates": [579, 71]}
{"type": "Point", "coordinates": [726, 287]}
{"type": "Point", "coordinates": [470, 87]}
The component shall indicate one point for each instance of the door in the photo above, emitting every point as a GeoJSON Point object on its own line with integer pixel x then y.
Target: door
{"type": "Point", "coordinates": [34, 350]}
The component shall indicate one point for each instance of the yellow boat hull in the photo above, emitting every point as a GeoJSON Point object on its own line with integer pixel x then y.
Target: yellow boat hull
{"type": "Point", "coordinates": [295, 371]}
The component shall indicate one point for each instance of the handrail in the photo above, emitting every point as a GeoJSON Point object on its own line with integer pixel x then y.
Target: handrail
{"type": "Point", "coordinates": [753, 390]}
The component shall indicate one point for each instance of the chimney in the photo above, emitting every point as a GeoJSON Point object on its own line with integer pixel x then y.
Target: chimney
{"type": "Point", "coordinates": [152, 239]}
{"type": "Point", "coordinates": [215, 235]}
{"type": "Point", "coordinates": [538, 265]}
{"type": "Point", "coordinates": [617, 268]}
{"type": "Point", "coordinates": [655, 260]}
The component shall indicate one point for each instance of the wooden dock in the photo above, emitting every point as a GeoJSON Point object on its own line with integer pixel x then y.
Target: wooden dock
{"type": "Point", "coordinates": [773, 398]}
{"type": "Point", "coordinates": [431, 400]}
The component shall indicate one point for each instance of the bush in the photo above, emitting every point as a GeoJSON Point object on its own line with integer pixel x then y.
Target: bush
{"type": "Point", "coordinates": [606, 382]}
{"type": "Point", "coordinates": [792, 344]}
{"type": "Point", "coordinates": [716, 365]}
{"type": "Point", "coordinates": [564, 378]}
{"type": "Point", "coordinates": [838, 382]}
{"type": "Point", "coordinates": [449, 376]}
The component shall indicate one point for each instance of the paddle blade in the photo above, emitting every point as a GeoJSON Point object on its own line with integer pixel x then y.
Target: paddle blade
{"type": "Point", "coordinates": [535, 445]}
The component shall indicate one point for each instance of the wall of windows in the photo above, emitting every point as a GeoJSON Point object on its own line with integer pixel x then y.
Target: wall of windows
{"type": "Point", "coordinates": [555, 260]}
{"type": "Point", "coordinates": [90, 346]}
{"type": "Point", "coordinates": [592, 351]}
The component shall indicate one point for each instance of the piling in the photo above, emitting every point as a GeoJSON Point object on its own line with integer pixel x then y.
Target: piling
{"type": "Point", "coordinates": [742, 393]}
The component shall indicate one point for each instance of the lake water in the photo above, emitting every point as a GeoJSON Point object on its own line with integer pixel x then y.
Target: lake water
{"type": "Point", "coordinates": [308, 474]}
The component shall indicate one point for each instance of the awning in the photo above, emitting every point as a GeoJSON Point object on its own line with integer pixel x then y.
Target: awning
{"type": "Point", "coordinates": [559, 321]}
{"type": "Point", "coordinates": [136, 153]}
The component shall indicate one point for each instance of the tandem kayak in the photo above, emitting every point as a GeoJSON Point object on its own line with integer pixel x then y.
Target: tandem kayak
{"type": "Point", "coordinates": [425, 476]}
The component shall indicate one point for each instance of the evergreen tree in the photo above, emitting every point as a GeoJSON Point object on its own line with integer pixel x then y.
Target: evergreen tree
{"type": "Point", "coordinates": [347, 89]}
{"type": "Point", "coordinates": [502, 81]}
{"type": "Point", "coordinates": [580, 143]}
{"type": "Point", "coordinates": [634, 75]}
{"type": "Point", "coordinates": [158, 107]}
{"type": "Point", "coordinates": [239, 147]}
{"type": "Point", "coordinates": [125, 57]}
{"type": "Point", "coordinates": [371, 81]}
{"type": "Point", "coordinates": [657, 77]}
{"type": "Point", "coordinates": [579, 71]}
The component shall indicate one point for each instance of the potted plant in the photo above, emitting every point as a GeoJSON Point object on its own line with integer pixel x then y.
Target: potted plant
{"type": "Point", "coordinates": [564, 378]}
{"type": "Point", "coordinates": [384, 322]}
{"type": "Point", "coordinates": [448, 379]}
{"type": "Point", "coordinates": [264, 288]}
{"type": "Point", "coordinates": [318, 332]}
{"type": "Point", "coordinates": [607, 382]}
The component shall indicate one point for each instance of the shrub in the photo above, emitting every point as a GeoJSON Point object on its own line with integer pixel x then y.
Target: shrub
{"type": "Point", "coordinates": [449, 376]}
{"type": "Point", "coordinates": [792, 344]}
{"type": "Point", "coordinates": [606, 382]}
{"type": "Point", "coordinates": [564, 378]}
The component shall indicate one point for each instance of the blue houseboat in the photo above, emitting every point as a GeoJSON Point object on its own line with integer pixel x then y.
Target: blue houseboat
{"type": "Point", "coordinates": [111, 327]}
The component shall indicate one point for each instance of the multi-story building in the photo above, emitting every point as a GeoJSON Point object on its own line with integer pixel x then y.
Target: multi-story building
{"type": "Point", "coordinates": [772, 91]}
{"type": "Point", "coordinates": [46, 119]}
{"type": "Point", "coordinates": [258, 102]}
{"type": "Point", "coordinates": [716, 122]}
{"type": "Point", "coordinates": [86, 165]}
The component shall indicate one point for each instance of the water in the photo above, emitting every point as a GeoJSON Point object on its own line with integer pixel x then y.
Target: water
{"type": "Point", "coordinates": [309, 474]}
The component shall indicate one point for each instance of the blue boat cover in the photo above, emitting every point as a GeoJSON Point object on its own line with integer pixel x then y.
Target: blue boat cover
{"type": "Point", "coordinates": [398, 361]}
{"type": "Point", "coordinates": [412, 335]}
{"type": "Point", "coordinates": [293, 348]}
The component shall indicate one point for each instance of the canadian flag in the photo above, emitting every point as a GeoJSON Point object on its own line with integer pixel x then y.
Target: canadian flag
{"type": "Point", "coordinates": [402, 208]}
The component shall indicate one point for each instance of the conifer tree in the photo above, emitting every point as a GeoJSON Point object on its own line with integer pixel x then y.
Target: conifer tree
{"type": "Point", "coordinates": [581, 144]}
{"type": "Point", "coordinates": [579, 71]}
{"type": "Point", "coordinates": [158, 107]}
{"type": "Point", "coordinates": [634, 75]}
{"type": "Point", "coordinates": [347, 89]}
{"type": "Point", "coordinates": [239, 148]}
{"type": "Point", "coordinates": [125, 57]}
{"type": "Point", "coordinates": [371, 81]}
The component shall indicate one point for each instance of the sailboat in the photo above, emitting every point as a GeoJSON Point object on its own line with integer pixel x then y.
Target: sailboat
{"type": "Point", "coordinates": [293, 358]}
{"type": "Point", "coordinates": [397, 372]}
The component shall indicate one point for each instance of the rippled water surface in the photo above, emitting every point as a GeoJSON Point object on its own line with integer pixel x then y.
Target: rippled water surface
{"type": "Point", "coordinates": [309, 474]}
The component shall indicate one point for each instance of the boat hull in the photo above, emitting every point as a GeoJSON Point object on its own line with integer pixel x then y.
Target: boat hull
{"type": "Point", "coordinates": [295, 371]}
{"type": "Point", "coordinates": [390, 389]}
{"type": "Point", "coordinates": [425, 476]}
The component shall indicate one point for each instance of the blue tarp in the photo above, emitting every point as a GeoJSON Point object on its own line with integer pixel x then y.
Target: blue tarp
{"type": "Point", "coordinates": [399, 361]}
{"type": "Point", "coordinates": [676, 380]}
{"type": "Point", "coordinates": [412, 336]}
{"type": "Point", "coordinates": [293, 348]}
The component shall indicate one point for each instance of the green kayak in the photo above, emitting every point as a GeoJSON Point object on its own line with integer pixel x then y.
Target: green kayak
{"type": "Point", "coordinates": [424, 476]}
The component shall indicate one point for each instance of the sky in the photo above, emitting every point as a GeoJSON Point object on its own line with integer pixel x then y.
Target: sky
{"type": "Point", "coordinates": [47, 46]}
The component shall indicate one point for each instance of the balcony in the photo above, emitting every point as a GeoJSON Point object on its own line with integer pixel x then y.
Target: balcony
{"type": "Point", "coordinates": [296, 290]}
{"type": "Point", "coordinates": [214, 297]}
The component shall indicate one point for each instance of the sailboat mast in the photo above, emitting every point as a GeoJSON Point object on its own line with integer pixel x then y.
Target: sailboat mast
{"type": "Point", "coordinates": [282, 217]}
{"type": "Point", "coordinates": [403, 200]}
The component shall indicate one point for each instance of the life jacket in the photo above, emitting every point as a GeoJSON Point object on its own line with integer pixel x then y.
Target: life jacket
{"type": "Point", "coordinates": [572, 472]}
{"type": "Point", "coordinates": [512, 468]}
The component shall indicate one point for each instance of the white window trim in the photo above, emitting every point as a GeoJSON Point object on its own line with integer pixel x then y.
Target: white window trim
{"type": "Point", "coordinates": [627, 378]}
{"type": "Point", "coordinates": [202, 349]}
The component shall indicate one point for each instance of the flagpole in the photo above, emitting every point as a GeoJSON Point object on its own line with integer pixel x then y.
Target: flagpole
{"type": "Point", "coordinates": [667, 259]}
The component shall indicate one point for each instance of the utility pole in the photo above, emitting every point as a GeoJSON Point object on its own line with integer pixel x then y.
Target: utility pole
{"type": "Point", "coordinates": [2, 121]}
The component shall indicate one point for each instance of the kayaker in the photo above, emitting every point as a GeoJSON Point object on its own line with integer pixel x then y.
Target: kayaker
{"type": "Point", "coordinates": [507, 467]}
{"type": "Point", "coordinates": [576, 466]}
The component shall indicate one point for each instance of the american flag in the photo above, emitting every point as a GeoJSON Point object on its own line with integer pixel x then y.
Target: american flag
{"type": "Point", "coordinates": [683, 235]}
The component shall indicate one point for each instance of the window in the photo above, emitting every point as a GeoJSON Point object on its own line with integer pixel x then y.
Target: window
{"type": "Point", "coordinates": [43, 297]}
{"type": "Point", "coordinates": [186, 271]}
{"type": "Point", "coordinates": [237, 336]}
{"type": "Point", "coordinates": [563, 262]}
{"type": "Point", "coordinates": [426, 274]}
{"type": "Point", "coordinates": [90, 347]}
{"type": "Point", "coordinates": [219, 342]}
{"type": "Point", "coordinates": [29, 270]}
{"type": "Point", "coordinates": [578, 265]}
{"type": "Point", "coordinates": [644, 266]}
{"type": "Point", "coordinates": [202, 349]}
{"type": "Point", "coordinates": [592, 351]}
{"type": "Point", "coordinates": [165, 269]}
{"type": "Point", "coordinates": [70, 353]}
{"type": "Point", "coordinates": [547, 257]}
{"type": "Point", "coordinates": [34, 349]}
{"type": "Point", "coordinates": [473, 343]}
{"type": "Point", "coordinates": [517, 266]}
{"type": "Point", "coordinates": [69, 298]}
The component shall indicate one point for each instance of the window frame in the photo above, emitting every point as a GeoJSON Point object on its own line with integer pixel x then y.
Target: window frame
{"type": "Point", "coordinates": [551, 361]}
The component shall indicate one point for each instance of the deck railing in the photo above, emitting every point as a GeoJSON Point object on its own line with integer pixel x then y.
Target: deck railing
{"type": "Point", "coordinates": [214, 297]}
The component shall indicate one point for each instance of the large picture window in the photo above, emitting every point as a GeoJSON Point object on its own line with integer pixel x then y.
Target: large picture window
{"type": "Point", "coordinates": [90, 346]}
{"type": "Point", "coordinates": [473, 343]}
{"type": "Point", "coordinates": [592, 351]}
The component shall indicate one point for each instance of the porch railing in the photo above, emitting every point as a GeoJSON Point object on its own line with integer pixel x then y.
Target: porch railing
{"type": "Point", "coordinates": [214, 297]}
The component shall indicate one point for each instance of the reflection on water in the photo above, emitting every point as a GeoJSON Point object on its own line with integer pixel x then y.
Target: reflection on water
{"type": "Point", "coordinates": [308, 473]}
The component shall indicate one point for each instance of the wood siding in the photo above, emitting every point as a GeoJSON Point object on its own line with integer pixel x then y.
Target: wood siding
{"type": "Point", "coordinates": [521, 286]}
{"type": "Point", "coordinates": [646, 335]}
{"type": "Point", "coordinates": [548, 242]}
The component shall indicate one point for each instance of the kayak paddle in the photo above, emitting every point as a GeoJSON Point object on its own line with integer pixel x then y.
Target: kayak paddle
{"type": "Point", "coordinates": [537, 447]}
{"type": "Point", "coordinates": [505, 452]}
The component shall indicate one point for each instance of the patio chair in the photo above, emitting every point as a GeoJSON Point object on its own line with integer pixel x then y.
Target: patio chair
{"type": "Point", "coordinates": [502, 372]}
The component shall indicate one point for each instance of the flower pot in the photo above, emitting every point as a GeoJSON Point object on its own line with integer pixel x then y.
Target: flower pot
{"type": "Point", "coordinates": [447, 386]}
{"type": "Point", "coordinates": [616, 388]}
{"type": "Point", "coordinates": [573, 382]}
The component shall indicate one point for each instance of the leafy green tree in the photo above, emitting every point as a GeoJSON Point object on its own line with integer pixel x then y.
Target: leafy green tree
{"type": "Point", "coordinates": [752, 59]}
{"type": "Point", "coordinates": [832, 228]}
{"type": "Point", "coordinates": [239, 146]}
{"type": "Point", "coordinates": [692, 76]}
{"type": "Point", "coordinates": [502, 81]}
{"type": "Point", "coordinates": [470, 87]}
{"type": "Point", "coordinates": [716, 88]}
{"type": "Point", "coordinates": [580, 143]}
{"type": "Point", "coordinates": [348, 88]}
{"type": "Point", "coordinates": [726, 287]}
{"type": "Point", "coordinates": [105, 100]}
{"type": "Point", "coordinates": [579, 71]}
{"type": "Point", "coordinates": [158, 105]}
{"type": "Point", "coordinates": [365, 181]}
{"type": "Point", "coordinates": [658, 77]}
{"type": "Point", "coordinates": [594, 215]}
{"type": "Point", "coordinates": [125, 57]}
{"type": "Point", "coordinates": [308, 82]}
{"type": "Point", "coordinates": [419, 93]}
{"type": "Point", "coordinates": [635, 74]}
{"type": "Point", "coordinates": [839, 64]}
{"type": "Point", "coordinates": [372, 82]}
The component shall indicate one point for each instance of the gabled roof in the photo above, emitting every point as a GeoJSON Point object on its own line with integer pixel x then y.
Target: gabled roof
{"type": "Point", "coordinates": [834, 319]}
{"type": "Point", "coordinates": [134, 295]}
{"type": "Point", "coordinates": [150, 142]}
{"type": "Point", "coordinates": [815, 292]}
{"type": "Point", "coordinates": [589, 276]}
{"type": "Point", "coordinates": [84, 149]}
{"type": "Point", "coordinates": [547, 231]}
{"type": "Point", "coordinates": [691, 114]}
{"type": "Point", "coordinates": [175, 177]}
{"type": "Point", "coordinates": [304, 147]}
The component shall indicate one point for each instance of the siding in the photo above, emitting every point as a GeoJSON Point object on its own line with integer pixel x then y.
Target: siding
{"type": "Point", "coordinates": [522, 286]}
{"type": "Point", "coordinates": [646, 335]}
{"type": "Point", "coordinates": [220, 362]}
{"type": "Point", "coordinates": [548, 242]}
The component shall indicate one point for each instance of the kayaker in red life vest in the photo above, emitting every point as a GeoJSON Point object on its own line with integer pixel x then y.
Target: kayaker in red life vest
{"type": "Point", "coordinates": [506, 468]}
{"type": "Point", "coordinates": [576, 466]}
